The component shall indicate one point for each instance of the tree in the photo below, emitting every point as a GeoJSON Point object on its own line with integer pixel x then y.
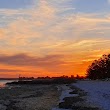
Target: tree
{"type": "Point", "coordinates": [99, 69]}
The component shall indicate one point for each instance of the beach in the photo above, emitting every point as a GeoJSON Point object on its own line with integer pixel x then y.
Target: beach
{"type": "Point", "coordinates": [82, 95]}
{"type": "Point", "coordinates": [29, 97]}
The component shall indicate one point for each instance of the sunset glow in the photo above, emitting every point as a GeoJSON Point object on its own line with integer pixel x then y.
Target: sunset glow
{"type": "Point", "coordinates": [52, 37]}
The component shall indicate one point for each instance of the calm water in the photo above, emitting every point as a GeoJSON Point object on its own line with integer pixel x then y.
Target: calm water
{"type": "Point", "coordinates": [3, 82]}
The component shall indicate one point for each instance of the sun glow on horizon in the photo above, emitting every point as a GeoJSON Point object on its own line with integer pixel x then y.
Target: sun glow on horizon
{"type": "Point", "coordinates": [51, 37]}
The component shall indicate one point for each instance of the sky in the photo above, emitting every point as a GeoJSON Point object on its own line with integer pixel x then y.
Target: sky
{"type": "Point", "coordinates": [52, 37]}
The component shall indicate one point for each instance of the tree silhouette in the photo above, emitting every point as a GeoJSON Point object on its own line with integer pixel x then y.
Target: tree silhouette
{"type": "Point", "coordinates": [99, 69]}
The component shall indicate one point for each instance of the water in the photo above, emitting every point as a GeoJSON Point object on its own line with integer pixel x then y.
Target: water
{"type": "Point", "coordinates": [3, 82]}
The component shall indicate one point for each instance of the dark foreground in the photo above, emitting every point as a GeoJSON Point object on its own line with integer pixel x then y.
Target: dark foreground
{"type": "Point", "coordinates": [29, 97]}
{"type": "Point", "coordinates": [46, 97]}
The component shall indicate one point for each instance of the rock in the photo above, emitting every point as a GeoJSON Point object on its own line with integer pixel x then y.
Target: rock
{"type": "Point", "coordinates": [2, 107]}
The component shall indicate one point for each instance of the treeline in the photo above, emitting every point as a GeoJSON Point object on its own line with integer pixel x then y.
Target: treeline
{"type": "Point", "coordinates": [99, 69]}
{"type": "Point", "coordinates": [47, 81]}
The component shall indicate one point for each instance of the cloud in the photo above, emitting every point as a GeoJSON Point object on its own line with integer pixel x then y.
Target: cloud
{"type": "Point", "coordinates": [52, 34]}
{"type": "Point", "coordinates": [10, 70]}
{"type": "Point", "coordinates": [25, 60]}
{"type": "Point", "coordinates": [27, 24]}
{"type": "Point", "coordinates": [41, 25]}
{"type": "Point", "coordinates": [109, 1]}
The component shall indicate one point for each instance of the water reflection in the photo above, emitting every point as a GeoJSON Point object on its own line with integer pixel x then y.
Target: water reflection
{"type": "Point", "coordinates": [3, 83]}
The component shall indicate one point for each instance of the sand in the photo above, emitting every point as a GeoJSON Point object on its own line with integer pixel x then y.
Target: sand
{"type": "Point", "coordinates": [29, 97]}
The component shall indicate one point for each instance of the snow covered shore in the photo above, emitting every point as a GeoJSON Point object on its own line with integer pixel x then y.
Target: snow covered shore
{"type": "Point", "coordinates": [98, 92]}
{"type": "Point", "coordinates": [73, 98]}
{"type": "Point", "coordinates": [65, 93]}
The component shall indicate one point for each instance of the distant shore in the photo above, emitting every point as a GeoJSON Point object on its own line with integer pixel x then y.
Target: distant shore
{"type": "Point", "coordinates": [60, 80]}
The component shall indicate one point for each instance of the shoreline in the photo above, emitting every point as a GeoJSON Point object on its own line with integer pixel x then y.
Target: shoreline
{"type": "Point", "coordinates": [29, 97]}
{"type": "Point", "coordinates": [46, 97]}
{"type": "Point", "coordinates": [74, 98]}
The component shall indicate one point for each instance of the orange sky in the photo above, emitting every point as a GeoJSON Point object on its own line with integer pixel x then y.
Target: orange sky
{"type": "Point", "coordinates": [50, 65]}
{"type": "Point", "coordinates": [51, 37]}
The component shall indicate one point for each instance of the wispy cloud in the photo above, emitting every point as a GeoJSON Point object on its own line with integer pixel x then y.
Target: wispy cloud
{"type": "Point", "coordinates": [52, 33]}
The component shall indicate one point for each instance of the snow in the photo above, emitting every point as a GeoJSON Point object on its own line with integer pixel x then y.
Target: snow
{"type": "Point", "coordinates": [98, 92]}
{"type": "Point", "coordinates": [65, 93]}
